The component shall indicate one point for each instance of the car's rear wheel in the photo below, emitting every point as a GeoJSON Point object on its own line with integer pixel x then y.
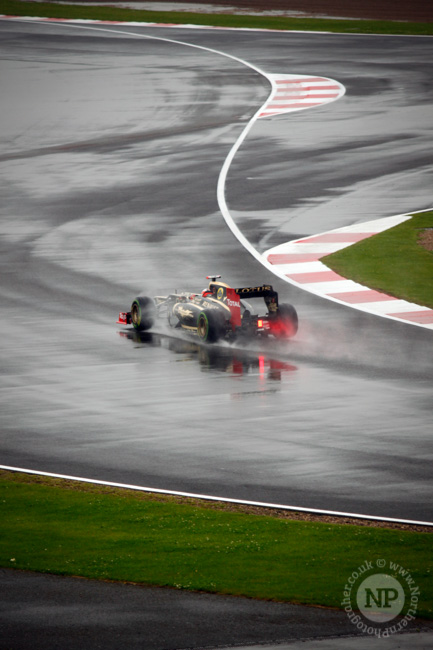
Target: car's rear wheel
{"type": "Point", "coordinates": [286, 322]}
{"type": "Point", "coordinates": [210, 326]}
{"type": "Point", "coordinates": [143, 313]}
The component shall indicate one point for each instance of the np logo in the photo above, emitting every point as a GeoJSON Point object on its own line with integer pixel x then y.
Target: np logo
{"type": "Point", "coordinates": [383, 598]}
{"type": "Point", "coordinates": [380, 603]}
{"type": "Point", "coordinates": [380, 597]}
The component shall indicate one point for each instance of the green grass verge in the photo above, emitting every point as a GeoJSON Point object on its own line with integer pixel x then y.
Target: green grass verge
{"type": "Point", "coordinates": [13, 7]}
{"type": "Point", "coordinates": [127, 536]}
{"type": "Point", "coordinates": [392, 262]}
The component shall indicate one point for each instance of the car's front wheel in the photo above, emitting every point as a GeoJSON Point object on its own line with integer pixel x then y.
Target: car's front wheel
{"type": "Point", "coordinates": [143, 313]}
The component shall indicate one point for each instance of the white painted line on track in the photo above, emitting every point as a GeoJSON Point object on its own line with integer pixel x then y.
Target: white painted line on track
{"type": "Point", "coordinates": [206, 497]}
{"type": "Point", "coordinates": [96, 26]}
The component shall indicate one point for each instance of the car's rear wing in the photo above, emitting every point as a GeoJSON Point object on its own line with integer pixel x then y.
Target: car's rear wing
{"type": "Point", "coordinates": [265, 291]}
{"type": "Point", "coordinates": [234, 297]}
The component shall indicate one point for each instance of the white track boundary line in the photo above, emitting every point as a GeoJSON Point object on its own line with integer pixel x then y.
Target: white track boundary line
{"type": "Point", "coordinates": [99, 27]}
{"type": "Point", "coordinates": [207, 497]}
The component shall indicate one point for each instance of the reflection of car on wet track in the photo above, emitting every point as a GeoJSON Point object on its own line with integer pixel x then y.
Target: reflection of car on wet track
{"type": "Point", "coordinates": [232, 360]}
{"type": "Point", "coordinates": [219, 312]}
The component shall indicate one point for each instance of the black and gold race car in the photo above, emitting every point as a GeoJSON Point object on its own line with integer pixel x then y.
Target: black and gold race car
{"type": "Point", "coordinates": [219, 312]}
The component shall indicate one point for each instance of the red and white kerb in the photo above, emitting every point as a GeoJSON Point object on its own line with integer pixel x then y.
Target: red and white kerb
{"type": "Point", "coordinates": [299, 263]}
{"type": "Point", "coordinates": [296, 92]}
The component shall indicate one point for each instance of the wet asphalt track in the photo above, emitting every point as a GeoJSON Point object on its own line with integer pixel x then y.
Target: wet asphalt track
{"type": "Point", "coordinates": [111, 149]}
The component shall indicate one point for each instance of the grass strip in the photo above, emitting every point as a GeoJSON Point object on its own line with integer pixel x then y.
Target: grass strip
{"type": "Point", "coordinates": [72, 529]}
{"type": "Point", "coordinates": [393, 261]}
{"type": "Point", "coordinates": [45, 9]}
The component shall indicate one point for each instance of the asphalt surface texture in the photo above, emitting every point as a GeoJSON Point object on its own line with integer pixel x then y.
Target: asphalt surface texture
{"type": "Point", "coordinates": [67, 613]}
{"type": "Point", "coordinates": [111, 147]}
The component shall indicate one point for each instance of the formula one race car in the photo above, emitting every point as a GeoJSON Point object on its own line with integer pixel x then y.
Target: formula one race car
{"type": "Point", "coordinates": [217, 313]}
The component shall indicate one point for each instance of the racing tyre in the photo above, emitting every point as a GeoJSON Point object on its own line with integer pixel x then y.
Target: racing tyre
{"type": "Point", "coordinates": [143, 313]}
{"type": "Point", "coordinates": [210, 326]}
{"type": "Point", "coordinates": [286, 323]}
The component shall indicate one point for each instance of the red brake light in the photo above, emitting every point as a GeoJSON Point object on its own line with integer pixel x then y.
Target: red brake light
{"type": "Point", "coordinates": [260, 323]}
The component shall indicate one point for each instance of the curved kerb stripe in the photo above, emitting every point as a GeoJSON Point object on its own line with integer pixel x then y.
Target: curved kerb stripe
{"type": "Point", "coordinates": [292, 92]}
{"type": "Point", "coordinates": [206, 497]}
{"type": "Point", "coordinates": [299, 261]}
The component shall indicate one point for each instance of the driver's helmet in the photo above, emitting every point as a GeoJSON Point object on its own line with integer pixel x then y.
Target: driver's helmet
{"type": "Point", "coordinates": [207, 292]}
{"type": "Point", "coordinates": [211, 290]}
{"type": "Point", "coordinates": [216, 290]}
